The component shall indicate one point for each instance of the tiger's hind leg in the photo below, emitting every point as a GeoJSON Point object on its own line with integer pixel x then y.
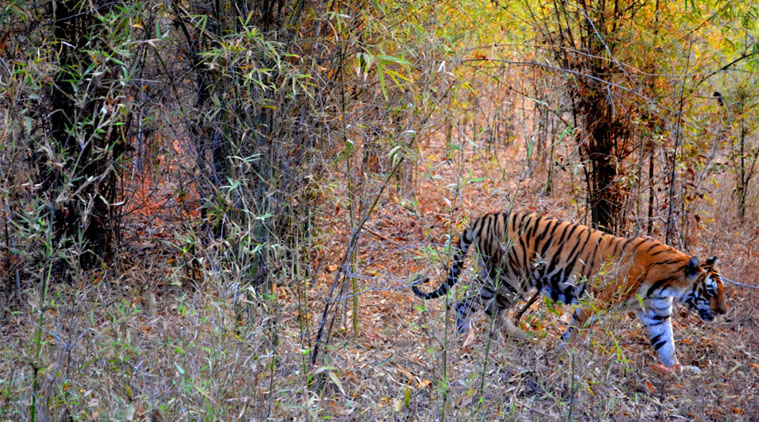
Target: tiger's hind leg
{"type": "Point", "coordinates": [464, 311]}
{"type": "Point", "coordinates": [496, 305]}
{"type": "Point", "coordinates": [474, 303]}
{"type": "Point", "coordinates": [470, 306]}
{"type": "Point", "coordinates": [507, 327]}
{"type": "Point", "coordinates": [498, 309]}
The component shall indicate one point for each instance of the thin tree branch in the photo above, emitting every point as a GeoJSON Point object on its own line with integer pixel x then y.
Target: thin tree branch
{"type": "Point", "coordinates": [744, 56]}
{"type": "Point", "coordinates": [749, 286]}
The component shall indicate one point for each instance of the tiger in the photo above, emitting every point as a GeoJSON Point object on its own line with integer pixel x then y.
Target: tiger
{"type": "Point", "coordinates": [521, 251]}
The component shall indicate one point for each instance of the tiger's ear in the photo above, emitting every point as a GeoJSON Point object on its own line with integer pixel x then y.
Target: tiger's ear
{"type": "Point", "coordinates": [712, 261]}
{"type": "Point", "coordinates": [692, 268]}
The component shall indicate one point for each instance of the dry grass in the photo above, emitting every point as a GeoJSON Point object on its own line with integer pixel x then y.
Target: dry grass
{"type": "Point", "coordinates": [131, 344]}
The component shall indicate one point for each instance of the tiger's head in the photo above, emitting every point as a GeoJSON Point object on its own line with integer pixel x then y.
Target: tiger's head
{"type": "Point", "coordinates": [707, 293]}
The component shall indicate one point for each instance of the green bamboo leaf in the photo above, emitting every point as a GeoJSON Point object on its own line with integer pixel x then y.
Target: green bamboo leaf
{"type": "Point", "coordinates": [395, 76]}
{"type": "Point", "coordinates": [381, 76]}
{"type": "Point", "coordinates": [390, 59]}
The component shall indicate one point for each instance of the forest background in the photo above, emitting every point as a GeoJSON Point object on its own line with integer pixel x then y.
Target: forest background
{"type": "Point", "coordinates": [214, 210]}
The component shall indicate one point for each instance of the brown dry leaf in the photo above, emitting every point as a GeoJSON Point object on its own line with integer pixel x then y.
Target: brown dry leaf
{"type": "Point", "coordinates": [332, 268]}
{"type": "Point", "coordinates": [336, 407]}
{"type": "Point", "coordinates": [4, 40]}
{"type": "Point", "coordinates": [337, 382]}
{"type": "Point", "coordinates": [425, 383]}
{"type": "Point", "coordinates": [405, 372]}
{"type": "Point", "coordinates": [468, 340]}
{"type": "Point", "coordinates": [464, 400]}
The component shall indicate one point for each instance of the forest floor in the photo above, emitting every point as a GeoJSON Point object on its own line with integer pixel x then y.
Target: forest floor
{"type": "Point", "coordinates": [130, 343]}
{"type": "Point", "coordinates": [408, 363]}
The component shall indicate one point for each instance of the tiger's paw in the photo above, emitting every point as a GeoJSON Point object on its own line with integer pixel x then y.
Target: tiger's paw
{"type": "Point", "coordinates": [675, 369]}
{"type": "Point", "coordinates": [510, 330]}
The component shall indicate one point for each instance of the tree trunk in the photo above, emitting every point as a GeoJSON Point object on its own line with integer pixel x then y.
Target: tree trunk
{"type": "Point", "coordinates": [79, 178]}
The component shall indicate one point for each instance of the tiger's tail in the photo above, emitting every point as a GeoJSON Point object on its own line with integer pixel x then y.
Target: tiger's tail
{"type": "Point", "coordinates": [465, 241]}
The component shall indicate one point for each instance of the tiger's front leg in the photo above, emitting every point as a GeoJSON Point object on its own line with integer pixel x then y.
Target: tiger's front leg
{"type": "Point", "coordinates": [657, 319]}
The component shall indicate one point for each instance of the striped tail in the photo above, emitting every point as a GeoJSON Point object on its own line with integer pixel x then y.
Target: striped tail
{"type": "Point", "coordinates": [465, 241]}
